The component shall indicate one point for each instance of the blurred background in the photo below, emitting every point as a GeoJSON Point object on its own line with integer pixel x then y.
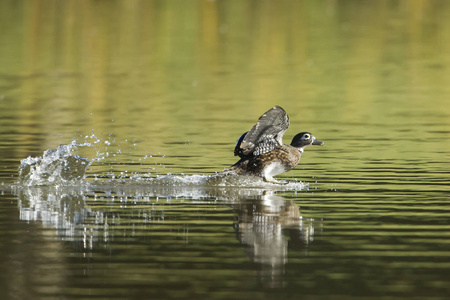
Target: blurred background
{"type": "Point", "coordinates": [168, 74]}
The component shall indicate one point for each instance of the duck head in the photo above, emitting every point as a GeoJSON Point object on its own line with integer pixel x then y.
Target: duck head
{"type": "Point", "coordinates": [304, 139]}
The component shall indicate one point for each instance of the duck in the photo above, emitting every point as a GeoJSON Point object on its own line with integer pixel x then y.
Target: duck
{"type": "Point", "coordinates": [262, 152]}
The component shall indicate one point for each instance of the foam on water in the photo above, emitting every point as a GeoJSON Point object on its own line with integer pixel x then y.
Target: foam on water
{"type": "Point", "coordinates": [216, 180]}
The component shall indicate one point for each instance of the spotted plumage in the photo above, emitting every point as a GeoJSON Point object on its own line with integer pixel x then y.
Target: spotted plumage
{"type": "Point", "coordinates": [261, 149]}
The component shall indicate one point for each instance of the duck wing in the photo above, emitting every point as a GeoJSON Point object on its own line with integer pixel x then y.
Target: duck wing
{"type": "Point", "coordinates": [266, 135]}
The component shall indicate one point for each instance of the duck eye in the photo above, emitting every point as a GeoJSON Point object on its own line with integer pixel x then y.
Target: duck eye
{"type": "Point", "coordinates": [306, 136]}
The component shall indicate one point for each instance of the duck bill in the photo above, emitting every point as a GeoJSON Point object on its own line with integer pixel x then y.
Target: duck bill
{"type": "Point", "coordinates": [317, 143]}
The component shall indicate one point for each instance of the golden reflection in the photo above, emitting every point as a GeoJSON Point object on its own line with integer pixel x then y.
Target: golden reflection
{"type": "Point", "coordinates": [198, 70]}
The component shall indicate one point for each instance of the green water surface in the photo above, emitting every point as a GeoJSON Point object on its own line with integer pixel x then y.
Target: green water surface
{"type": "Point", "coordinates": [167, 87]}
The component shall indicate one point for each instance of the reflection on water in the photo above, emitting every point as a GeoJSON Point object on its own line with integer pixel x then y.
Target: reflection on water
{"type": "Point", "coordinates": [96, 216]}
{"type": "Point", "coordinates": [167, 87]}
{"type": "Point", "coordinates": [262, 225]}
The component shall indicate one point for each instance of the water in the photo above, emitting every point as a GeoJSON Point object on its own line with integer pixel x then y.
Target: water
{"type": "Point", "coordinates": [121, 113]}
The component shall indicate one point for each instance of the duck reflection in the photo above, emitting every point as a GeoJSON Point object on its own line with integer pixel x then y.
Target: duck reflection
{"type": "Point", "coordinates": [266, 223]}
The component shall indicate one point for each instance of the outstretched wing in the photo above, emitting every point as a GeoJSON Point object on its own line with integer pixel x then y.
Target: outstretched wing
{"type": "Point", "coordinates": [266, 135]}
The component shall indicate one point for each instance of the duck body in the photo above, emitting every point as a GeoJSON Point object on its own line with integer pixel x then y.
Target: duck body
{"type": "Point", "coordinates": [269, 164]}
{"type": "Point", "coordinates": [261, 149]}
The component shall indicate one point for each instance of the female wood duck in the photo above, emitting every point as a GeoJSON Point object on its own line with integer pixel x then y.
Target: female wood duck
{"type": "Point", "coordinates": [262, 151]}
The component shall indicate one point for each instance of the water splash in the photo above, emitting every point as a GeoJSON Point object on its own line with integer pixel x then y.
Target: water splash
{"type": "Point", "coordinates": [61, 167]}
{"type": "Point", "coordinates": [54, 167]}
